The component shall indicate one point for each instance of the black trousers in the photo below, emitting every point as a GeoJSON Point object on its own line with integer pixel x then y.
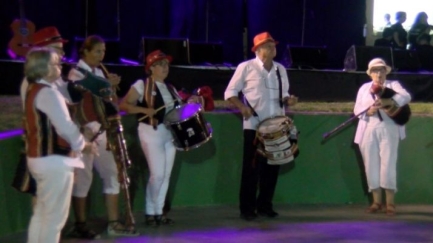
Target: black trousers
{"type": "Point", "coordinates": [256, 174]}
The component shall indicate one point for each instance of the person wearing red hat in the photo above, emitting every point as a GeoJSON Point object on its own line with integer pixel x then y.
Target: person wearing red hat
{"type": "Point", "coordinates": [265, 85]}
{"type": "Point", "coordinates": [378, 135]}
{"type": "Point", "coordinates": [92, 53]}
{"type": "Point", "coordinates": [144, 97]}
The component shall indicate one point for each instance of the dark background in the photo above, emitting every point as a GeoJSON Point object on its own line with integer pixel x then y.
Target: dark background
{"type": "Point", "coordinates": [336, 24]}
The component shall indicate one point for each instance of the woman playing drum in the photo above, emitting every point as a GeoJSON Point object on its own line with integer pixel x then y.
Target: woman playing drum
{"type": "Point", "coordinates": [147, 97]}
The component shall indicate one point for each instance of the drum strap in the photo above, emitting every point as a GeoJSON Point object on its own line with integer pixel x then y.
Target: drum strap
{"type": "Point", "coordinates": [249, 105]}
{"type": "Point", "coordinates": [279, 86]}
{"type": "Point", "coordinates": [174, 94]}
{"type": "Point", "coordinates": [149, 90]}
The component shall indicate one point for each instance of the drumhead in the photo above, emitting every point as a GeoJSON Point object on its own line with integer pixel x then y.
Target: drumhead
{"type": "Point", "coordinates": [183, 112]}
{"type": "Point", "coordinates": [273, 124]}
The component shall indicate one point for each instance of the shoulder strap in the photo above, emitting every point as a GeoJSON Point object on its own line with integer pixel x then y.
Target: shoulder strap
{"type": "Point", "coordinates": [149, 90]}
{"type": "Point", "coordinates": [174, 94]}
{"type": "Point", "coordinates": [280, 88]}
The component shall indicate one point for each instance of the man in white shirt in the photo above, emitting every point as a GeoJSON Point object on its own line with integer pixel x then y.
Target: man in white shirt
{"type": "Point", "coordinates": [264, 84]}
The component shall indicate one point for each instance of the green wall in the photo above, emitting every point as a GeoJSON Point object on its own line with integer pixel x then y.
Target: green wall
{"type": "Point", "coordinates": [326, 172]}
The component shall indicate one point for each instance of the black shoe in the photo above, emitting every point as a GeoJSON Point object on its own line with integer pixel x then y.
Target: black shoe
{"type": "Point", "coordinates": [81, 231]}
{"type": "Point", "coordinates": [248, 216]}
{"type": "Point", "coordinates": [149, 220]}
{"type": "Point", "coordinates": [166, 221]}
{"type": "Point", "coordinates": [267, 213]}
{"type": "Point", "coordinates": [158, 219]}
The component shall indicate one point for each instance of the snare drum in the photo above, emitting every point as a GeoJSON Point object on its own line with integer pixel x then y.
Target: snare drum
{"type": "Point", "coordinates": [278, 138]}
{"type": "Point", "coordinates": [188, 126]}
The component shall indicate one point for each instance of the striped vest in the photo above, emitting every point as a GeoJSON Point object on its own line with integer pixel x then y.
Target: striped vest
{"type": "Point", "coordinates": [41, 137]}
{"type": "Point", "coordinates": [152, 98]}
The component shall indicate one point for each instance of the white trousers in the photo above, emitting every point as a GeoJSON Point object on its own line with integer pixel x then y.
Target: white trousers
{"type": "Point", "coordinates": [54, 186]}
{"type": "Point", "coordinates": [160, 152]}
{"type": "Point", "coordinates": [379, 149]}
{"type": "Point", "coordinates": [104, 164]}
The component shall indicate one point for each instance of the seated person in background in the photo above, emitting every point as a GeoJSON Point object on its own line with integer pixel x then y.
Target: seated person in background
{"type": "Point", "coordinates": [387, 18]}
{"type": "Point", "coordinates": [399, 33]}
{"type": "Point", "coordinates": [386, 39]}
{"type": "Point", "coordinates": [420, 27]}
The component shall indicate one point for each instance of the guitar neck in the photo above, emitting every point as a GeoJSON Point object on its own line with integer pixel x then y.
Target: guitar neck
{"type": "Point", "coordinates": [22, 15]}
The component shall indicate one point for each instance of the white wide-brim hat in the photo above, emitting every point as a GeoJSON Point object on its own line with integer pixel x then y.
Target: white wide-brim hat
{"type": "Point", "coordinates": [378, 62]}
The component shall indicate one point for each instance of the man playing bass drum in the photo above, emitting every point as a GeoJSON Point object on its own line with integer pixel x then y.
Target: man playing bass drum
{"type": "Point", "coordinates": [265, 86]}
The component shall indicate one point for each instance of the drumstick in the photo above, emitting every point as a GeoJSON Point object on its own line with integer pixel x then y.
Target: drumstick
{"type": "Point", "coordinates": [160, 108]}
{"type": "Point", "coordinates": [106, 73]}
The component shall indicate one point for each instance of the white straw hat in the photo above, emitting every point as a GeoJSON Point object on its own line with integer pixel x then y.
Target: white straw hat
{"type": "Point", "coordinates": [378, 62]}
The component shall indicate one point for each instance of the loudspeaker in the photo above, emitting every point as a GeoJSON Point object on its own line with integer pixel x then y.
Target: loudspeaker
{"type": "Point", "coordinates": [358, 57]}
{"type": "Point", "coordinates": [306, 57]}
{"type": "Point", "coordinates": [112, 53]}
{"type": "Point", "coordinates": [206, 52]}
{"type": "Point", "coordinates": [178, 48]}
{"type": "Point", "coordinates": [405, 60]}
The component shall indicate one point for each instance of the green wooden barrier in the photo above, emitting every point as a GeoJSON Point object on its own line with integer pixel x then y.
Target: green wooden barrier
{"type": "Point", "coordinates": [326, 172]}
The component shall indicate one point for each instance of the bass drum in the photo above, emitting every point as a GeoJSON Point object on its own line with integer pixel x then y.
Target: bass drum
{"type": "Point", "coordinates": [278, 138]}
{"type": "Point", "coordinates": [188, 126]}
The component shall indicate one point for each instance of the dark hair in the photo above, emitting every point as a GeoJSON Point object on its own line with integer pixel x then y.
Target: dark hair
{"type": "Point", "coordinates": [89, 43]}
{"type": "Point", "coordinates": [419, 16]}
{"type": "Point", "coordinates": [399, 15]}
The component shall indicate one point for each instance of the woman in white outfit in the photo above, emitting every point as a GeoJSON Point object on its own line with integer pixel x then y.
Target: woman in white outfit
{"type": "Point", "coordinates": [143, 98]}
{"type": "Point", "coordinates": [53, 146]}
{"type": "Point", "coordinates": [378, 135]}
{"type": "Point", "coordinates": [92, 53]}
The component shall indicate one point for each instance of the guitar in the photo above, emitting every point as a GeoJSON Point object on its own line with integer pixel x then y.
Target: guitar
{"type": "Point", "coordinates": [22, 30]}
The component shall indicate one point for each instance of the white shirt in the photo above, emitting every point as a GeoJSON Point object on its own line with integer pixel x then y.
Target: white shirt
{"type": "Point", "coordinates": [75, 74]}
{"type": "Point", "coordinates": [53, 104]}
{"type": "Point", "coordinates": [260, 89]}
{"type": "Point", "coordinates": [59, 84]}
{"type": "Point", "coordinates": [364, 100]}
{"type": "Point", "coordinates": [166, 95]}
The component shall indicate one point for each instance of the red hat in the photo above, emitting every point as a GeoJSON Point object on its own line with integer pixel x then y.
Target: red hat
{"type": "Point", "coordinates": [261, 39]}
{"type": "Point", "coordinates": [155, 56]}
{"type": "Point", "coordinates": [47, 36]}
